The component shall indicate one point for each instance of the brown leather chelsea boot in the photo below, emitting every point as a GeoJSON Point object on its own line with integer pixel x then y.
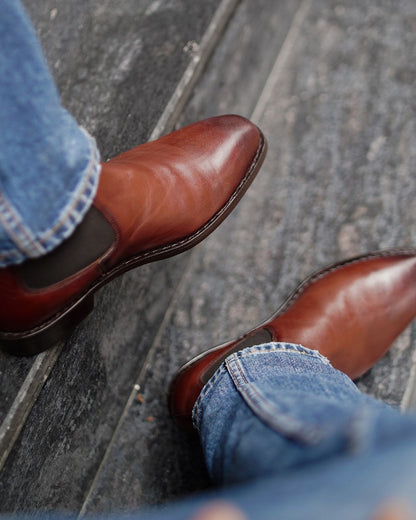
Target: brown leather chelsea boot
{"type": "Point", "coordinates": [350, 312]}
{"type": "Point", "coordinates": [154, 201]}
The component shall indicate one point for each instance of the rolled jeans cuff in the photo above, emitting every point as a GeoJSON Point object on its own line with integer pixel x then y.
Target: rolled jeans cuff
{"type": "Point", "coordinates": [278, 406]}
{"type": "Point", "coordinates": [257, 349]}
{"type": "Point", "coordinates": [21, 243]}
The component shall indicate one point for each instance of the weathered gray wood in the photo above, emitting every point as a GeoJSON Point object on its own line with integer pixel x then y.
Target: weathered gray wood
{"type": "Point", "coordinates": [117, 64]}
{"type": "Point", "coordinates": [12, 375]}
{"type": "Point", "coordinates": [164, 463]}
{"type": "Point", "coordinates": [241, 64]}
{"type": "Point", "coordinates": [338, 113]}
{"type": "Point", "coordinates": [27, 393]}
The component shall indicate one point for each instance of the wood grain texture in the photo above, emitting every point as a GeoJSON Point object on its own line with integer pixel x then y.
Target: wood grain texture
{"type": "Point", "coordinates": [338, 114]}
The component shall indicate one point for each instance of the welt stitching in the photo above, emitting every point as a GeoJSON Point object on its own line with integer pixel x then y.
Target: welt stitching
{"type": "Point", "coordinates": [160, 250]}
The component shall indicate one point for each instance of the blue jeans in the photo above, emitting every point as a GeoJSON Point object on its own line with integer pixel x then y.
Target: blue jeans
{"type": "Point", "coordinates": [49, 166]}
{"type": "Point", "coordinates": [287, 436]}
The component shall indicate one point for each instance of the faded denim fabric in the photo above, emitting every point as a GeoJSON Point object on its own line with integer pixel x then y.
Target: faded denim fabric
{"type": "Point", "coordinates": [49, 166]}
{"type": "Point", "coordinates": [288, 436]}
{"type": "Point", "coordinates": [291, 438]}
{"type": "Point", "coordinates": [291, 400]}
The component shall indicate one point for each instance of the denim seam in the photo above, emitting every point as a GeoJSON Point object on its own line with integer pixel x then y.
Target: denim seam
{"type": "Point", "coordinates": [232, 366]}
{"type": "Point", "coordinates": [264, 348]}
{"type": "Point", "coordinates": [207, 388]}
{"type": "Point", "coordinates": [12, 223]}
{"type": "Point", "coordinates": [30, 246]}
{"type": "Point", "coordinates": [86, 191]}
{"type": "Point", "coordinates": [255, 400]}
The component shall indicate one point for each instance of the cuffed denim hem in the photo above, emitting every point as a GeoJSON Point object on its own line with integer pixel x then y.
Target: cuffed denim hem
{"type": "Point", "coordinates": [23, 244]}
{"type": "Point", "coordinates": [260, 349]}
{"type": "Point", "coordinates": [279, 406]}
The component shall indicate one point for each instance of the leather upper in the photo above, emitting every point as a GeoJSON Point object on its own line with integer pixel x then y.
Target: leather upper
{"type": "Point", "coordinates": [179, 182]}
{"type": "Point", "coordinates": [350, 312]}
{"type": "Point", "coordinates": [353, 313]}
{"type": "Point", "coordinates": [154, 195]}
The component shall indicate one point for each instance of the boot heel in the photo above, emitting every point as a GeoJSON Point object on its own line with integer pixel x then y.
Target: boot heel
{"type": "Point", "coordinates": [41, 338]}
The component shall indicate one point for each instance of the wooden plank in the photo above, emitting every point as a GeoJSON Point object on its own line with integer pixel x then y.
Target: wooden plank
{"type": "Point", "coordinates": [18, 410]}
{"type": "Point", "coordinates": [338, 181]}
{"type": "Point", "coordinates": [150, 461]}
